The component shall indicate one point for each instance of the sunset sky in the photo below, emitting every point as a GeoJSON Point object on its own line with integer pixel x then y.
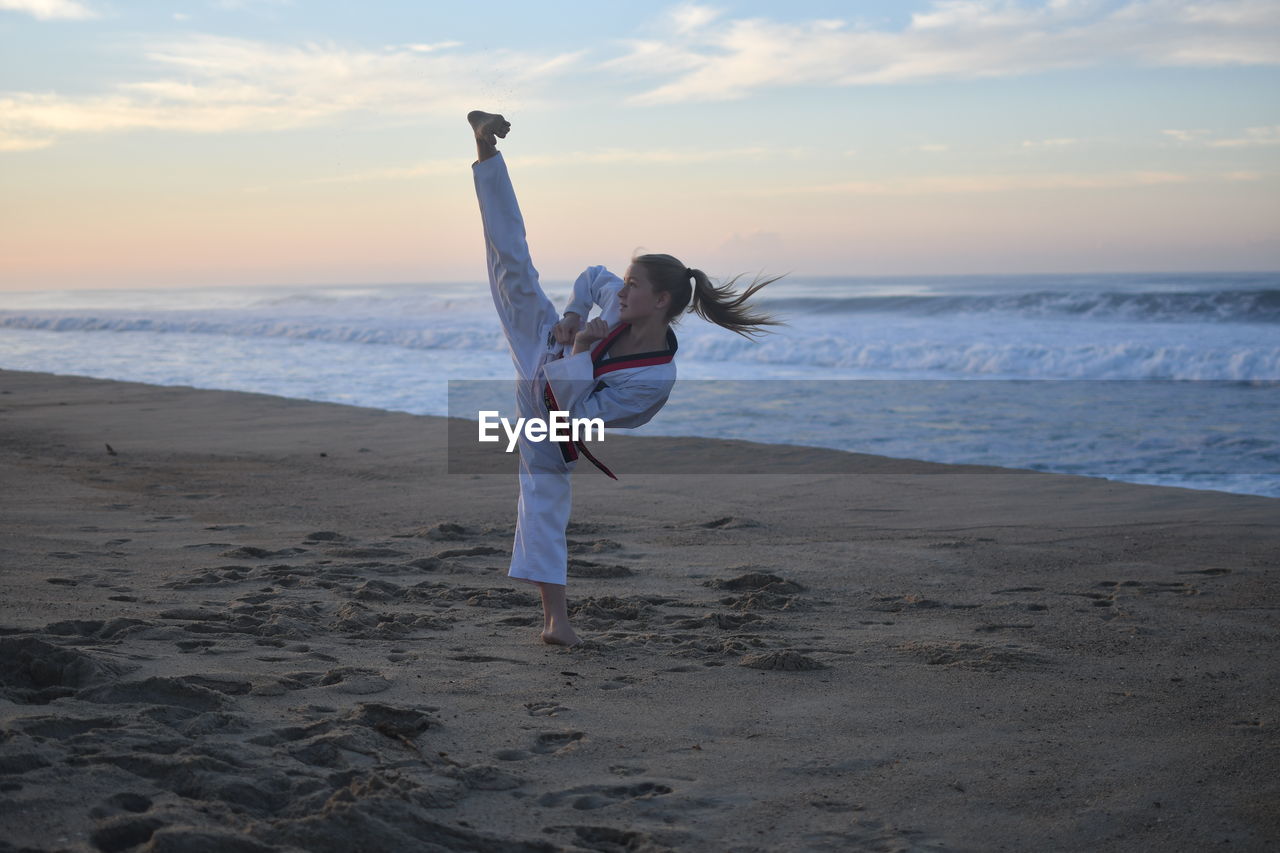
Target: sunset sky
{"type": "Point", "coordinates": [150, 144]}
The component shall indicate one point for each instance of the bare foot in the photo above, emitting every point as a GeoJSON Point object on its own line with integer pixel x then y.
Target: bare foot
{"type": "Point", "coordinates": [488, 125]}
{"type": "Point", "coordinates": [557, 636]}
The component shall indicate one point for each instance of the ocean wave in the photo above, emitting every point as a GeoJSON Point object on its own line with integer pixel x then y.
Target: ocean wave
{"type": "Point", "coordinates": [408, 336]}
{"type": "Point", "coordinates": [1043, 351]}
{"type": "Point", "coordinates": [1221, 306]}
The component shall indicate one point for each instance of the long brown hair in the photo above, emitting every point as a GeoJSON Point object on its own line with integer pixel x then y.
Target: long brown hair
{"type": "Point", "coordinates": [719, 304]}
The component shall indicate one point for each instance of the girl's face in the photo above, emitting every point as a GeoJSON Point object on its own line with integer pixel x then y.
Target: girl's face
{"type": "Point", "coordinates": [638, 300]}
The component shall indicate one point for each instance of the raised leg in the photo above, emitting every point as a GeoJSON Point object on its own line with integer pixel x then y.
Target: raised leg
{"type": "Point", "coordinates": [526, 313]}
{"type": "Point", "coordinates": [539, 554]}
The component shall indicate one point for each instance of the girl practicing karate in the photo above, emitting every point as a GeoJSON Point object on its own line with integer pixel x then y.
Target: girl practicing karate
{"type": "Point", "coordinates": [618, 367]}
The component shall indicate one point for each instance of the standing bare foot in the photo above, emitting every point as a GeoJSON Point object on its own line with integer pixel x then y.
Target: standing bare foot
{"type": "Point", "coordinates": [488, 128]}
{"type": "Point", "coordinates": [556, 629]}
{"type": "Point", "coordinates": [559, 636]}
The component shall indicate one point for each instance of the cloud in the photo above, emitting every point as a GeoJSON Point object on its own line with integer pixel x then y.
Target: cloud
{"type": "Point", "coordinates": [691, 17]}
{"type": "Point", "coordinates": [430, 48]}
{"type": "Point", "coordinates": [10, 142]}
{"type": "Point", "coordinates": [1062, 142]}
{"type": "Point", "coordinates": [237, 5]}
{"type": "Point", "coordinates": [725, 59]}
{"type": "Point", "coordinates": [50, 10]}
{"type": "Point", "coordinates": [1253, 137]}
{"type": "Point", "coordinates": [1185, 135]}
{"type": "Point", "coordinates": [212, 84]}
{"type": "Point", "coordinates": [604, 156]}
{"type": "Point", "coordinates": [952, 184]}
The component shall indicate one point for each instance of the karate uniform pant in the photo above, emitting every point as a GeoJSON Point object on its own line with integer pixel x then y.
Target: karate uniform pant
{"type": "Point", "coordinates": [539, 553]}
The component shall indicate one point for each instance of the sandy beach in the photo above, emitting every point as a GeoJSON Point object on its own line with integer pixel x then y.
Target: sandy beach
{"type": "Point", "coordinates": [236, 622]}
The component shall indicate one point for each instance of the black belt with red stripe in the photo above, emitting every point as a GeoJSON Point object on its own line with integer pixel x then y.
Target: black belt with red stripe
{"type": "Point", "coordinates": [569, 448]}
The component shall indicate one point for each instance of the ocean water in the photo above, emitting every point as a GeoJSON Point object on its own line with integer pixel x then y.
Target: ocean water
{"type": "Point", "coordinates": [1170, 379]}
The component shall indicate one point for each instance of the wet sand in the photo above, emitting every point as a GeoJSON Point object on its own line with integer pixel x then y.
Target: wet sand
{"type": "Point", "coordinates": [265, 624]}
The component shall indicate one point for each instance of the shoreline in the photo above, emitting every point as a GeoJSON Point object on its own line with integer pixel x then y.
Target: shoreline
{"type": "Point", "coordinates": [708, 453]}
{"type": "Point", "coordinates": [285, 621]}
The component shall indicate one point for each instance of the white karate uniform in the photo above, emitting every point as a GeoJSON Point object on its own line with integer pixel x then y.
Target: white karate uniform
{"type": "Point", "coordinates": [623, 392]}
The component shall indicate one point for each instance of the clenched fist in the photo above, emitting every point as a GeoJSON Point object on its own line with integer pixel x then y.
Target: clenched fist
{"type": "Point", "coordinates": [565, 330]}
{"type": "Point", "coordinates": [592, 332]}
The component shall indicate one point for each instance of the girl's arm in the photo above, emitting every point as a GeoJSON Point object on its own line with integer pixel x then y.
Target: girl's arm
{"type": "Point", "coordinates": [596, 286]}
{"type": "Point", "coordinates": [628, 405]}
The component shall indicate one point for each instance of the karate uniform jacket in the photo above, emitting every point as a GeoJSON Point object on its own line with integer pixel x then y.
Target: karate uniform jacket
{"type": "Point", "coordinates": [626, 391]}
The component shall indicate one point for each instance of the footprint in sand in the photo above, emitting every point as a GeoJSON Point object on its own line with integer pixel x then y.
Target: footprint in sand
{"type": "Point", "coordinates": [121, 833]}
{"type": "Point", "coordinates": [544, 709]}
{"type": "Point", "coordinates": [520, 621]}
{"type": "Point", "coordinates": [1248, 724]}
{"type": "Point", "coordinates": [445, 531]}
{"type": "Point", "coordinates": [731, 621]}
{"type": "Point", "coordinates": [123, 801]}
{"type": "Point", "coordinates": [475, 658]}
{"type": "Point", "coordinates": [218, 576]}
{"type": "Point", "coordinates": [230, 685]}
{"type": "Point", "coordinates": [1179, 587]}
{"type": "Point", "coordinates": [785, 660]}
{"type": "Point", "coordinates": [486, 777]}
{"type": "Point", "coordinates": [365, 553]}
{"type": "Point", "coordinates": [501, 598]}
{"type": "Point", "coordinates": [728, 522]}
{"type": "Point", "coordinates": [604, 610]}
{"type": "Point", "coordinates": [355, 680]}
{"type": "Point", "coordinates": [33, 672]}
{"type": "Point", "coordinates": [867, 833]}
{"type": "Point", "coordinates": [327, 536]}
{"type": "Point", "coordinates": [835, 806]}
{"type": "Point", "coordinates": [765, 588]}
{"type": "Point", "coordinates": [900, 603]}
{"type": "Point", "coordinates": [157, 690]}
{"type": "Point", "coordinates": [587, 797]}
{"type": "Point", "coordinates": [975, 656]}
{"type": "Point", "coordinates": [476, 551]}
{"type": "Point", "coordinates": [595, 546]}
{"type": "Point", "coordinates": [252, 552]}
{"type": "Point", "coordinates": [546, 743]}
{"type": "Point", "coordinates": [556, 743]}
{"type": "Point", "coordinates": [587, 569]}
{"type": "Point", "coordinates": [612, 838]}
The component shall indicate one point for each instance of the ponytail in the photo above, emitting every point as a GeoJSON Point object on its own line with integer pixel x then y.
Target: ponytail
{"type": "Point", "coordinates": [722, 306]}
{"type": "Point", "coordinates": [719, 304]}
